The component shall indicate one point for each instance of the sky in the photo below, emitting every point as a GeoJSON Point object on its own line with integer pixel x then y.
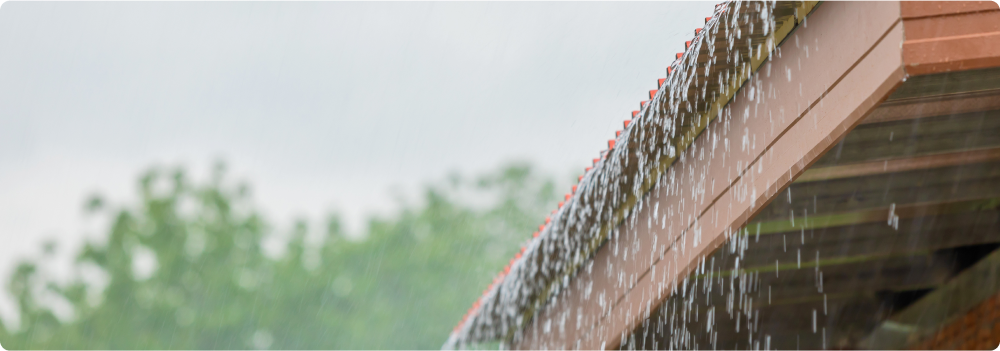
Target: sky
{"type": "Point", "coordinates": [321, 106]}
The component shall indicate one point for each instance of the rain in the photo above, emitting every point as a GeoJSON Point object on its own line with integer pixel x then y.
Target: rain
{"type": "Point", "coordinates": [802, 175]}
{"type": "Point", "coordinates": [836, 280]}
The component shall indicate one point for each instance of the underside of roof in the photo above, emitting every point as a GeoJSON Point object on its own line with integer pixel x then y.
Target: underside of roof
{"type": "Point", "coordinates": [885, 238]}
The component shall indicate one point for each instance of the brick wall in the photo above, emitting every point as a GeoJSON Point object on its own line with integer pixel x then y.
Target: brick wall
{"type": "Point", "coordinates": [977, 330]}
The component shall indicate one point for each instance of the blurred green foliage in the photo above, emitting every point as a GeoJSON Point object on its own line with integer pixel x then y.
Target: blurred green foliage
{"type": "Point", "coordinates": [404, 283]}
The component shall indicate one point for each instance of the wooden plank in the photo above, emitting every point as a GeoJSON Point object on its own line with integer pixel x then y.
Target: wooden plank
{"type": "Point", "coordinates": [907, 137]}
{"type": "Point", "coordinates": [948, 54]}
{"type": "Point", "coordinates": [882, 150]}
{"type": "Point", "coordinates": [950, 26]}
{"type": "Point", "coordinates": [948, 83]}
{"type": "Point", "coordinates": [810, 201]}
{"type": "Point", "coordinates": [874, 215]}
{"type": "Point", "coordinates": [900, 165]}
{"type": "Point", "coordinates": [919, 9]}
{"type": "Point", "coordinates": [873, 239]}
{"type": "Point", "coordinates": [943, 37]}
{"type": "Point", "coordinates": [935, 106]}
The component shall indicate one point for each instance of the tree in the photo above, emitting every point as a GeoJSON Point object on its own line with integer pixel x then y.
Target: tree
{"type": "Point", "coordinates": [404, 285]}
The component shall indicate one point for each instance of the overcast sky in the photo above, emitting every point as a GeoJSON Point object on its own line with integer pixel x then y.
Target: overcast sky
{"type": "Point", "coordinates": [321, 106]}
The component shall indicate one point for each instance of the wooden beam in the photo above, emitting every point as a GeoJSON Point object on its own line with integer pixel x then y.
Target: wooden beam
{"type": "Point", "coordinates": [873, 239]}
{"type": "Point", "coordinates": [935, 106]}
{"type": "Point", "coordinates": [952, 40]}
{"type": "Point", "coordinates": [880, 214]}
{"type": "Point", "coordinates": [921, 9]}
{"type": "Point", "coordinates": [900, 165]}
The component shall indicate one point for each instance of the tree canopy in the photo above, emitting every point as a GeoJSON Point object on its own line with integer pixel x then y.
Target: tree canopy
{"type": "Point", "coordinates": [404, 284]}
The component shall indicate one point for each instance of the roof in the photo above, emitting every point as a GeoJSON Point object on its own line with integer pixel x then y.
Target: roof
{"type": "Point", "coordinates": [777, 147]}
{"type": "Point", "coordinates": [716, 63]}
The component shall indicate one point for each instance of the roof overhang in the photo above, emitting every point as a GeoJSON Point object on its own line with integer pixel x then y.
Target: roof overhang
{"type": "Point", "coordinates": [761, 94]}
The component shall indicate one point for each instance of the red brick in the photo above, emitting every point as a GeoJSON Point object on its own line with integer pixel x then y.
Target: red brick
{"type": "Point", "coordinates": [970, 319]}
